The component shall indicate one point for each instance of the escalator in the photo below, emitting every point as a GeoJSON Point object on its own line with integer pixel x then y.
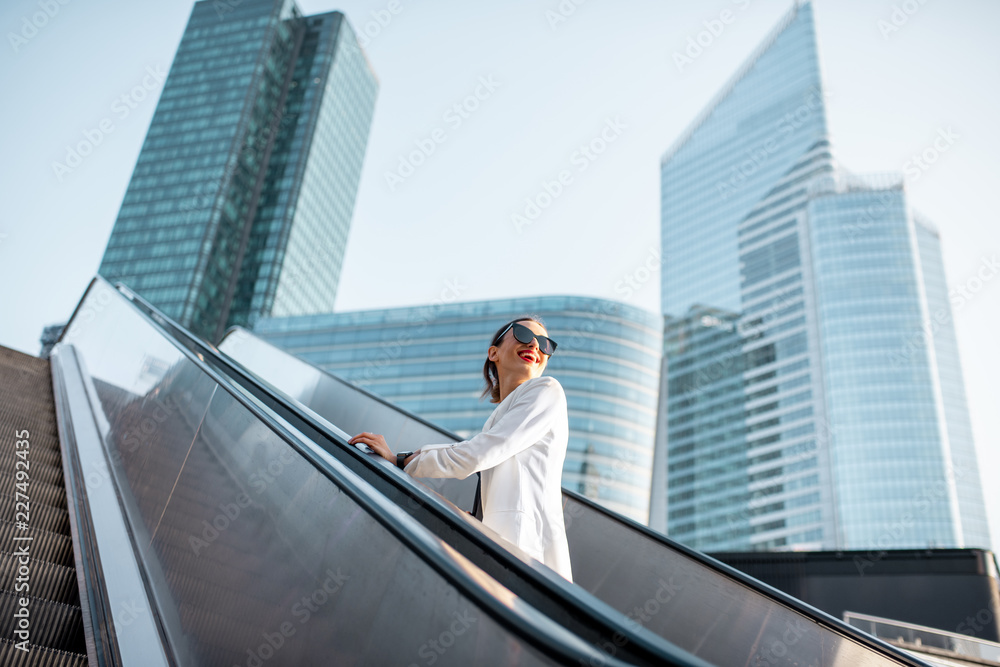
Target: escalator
{"type": "Point", "coordinates": [212, 526]}
{"type": "Point", "coordinates": [216, 520]}
{"type": "Point", "coordinates": [697, 603]}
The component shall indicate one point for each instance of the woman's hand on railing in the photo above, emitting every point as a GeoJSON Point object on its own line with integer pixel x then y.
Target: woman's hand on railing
{"type": "Point", "coordinates": [376, 443]}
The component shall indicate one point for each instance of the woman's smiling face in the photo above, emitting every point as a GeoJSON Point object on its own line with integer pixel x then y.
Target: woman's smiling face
{"type": "Point", "coordinates": [517, 360]}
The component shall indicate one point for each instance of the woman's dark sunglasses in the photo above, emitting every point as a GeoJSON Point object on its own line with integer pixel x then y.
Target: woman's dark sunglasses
{"type": "Point", "coordinates": [524, 335]}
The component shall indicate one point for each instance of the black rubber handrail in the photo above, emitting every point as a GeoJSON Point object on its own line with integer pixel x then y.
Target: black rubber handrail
{"type": "Point", "coordinates": [570, 607]}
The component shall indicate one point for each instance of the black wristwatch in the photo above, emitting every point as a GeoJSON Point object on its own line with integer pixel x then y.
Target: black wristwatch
{"type": "Point", "coordinates": [401, 458]}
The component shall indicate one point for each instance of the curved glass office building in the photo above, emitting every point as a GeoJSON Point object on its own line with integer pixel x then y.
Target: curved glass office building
{"type": "Point", "coordinates": [429, 360]}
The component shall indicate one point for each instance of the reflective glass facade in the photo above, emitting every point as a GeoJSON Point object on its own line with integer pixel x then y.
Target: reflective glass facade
{"type": "Point", "coordinates": [767, 122]}
{"type": "Point", "coordinates": [249, 169]}
{"type": "Point", "coordinates": [788, 421]}
{"type": "Point", "coordinates": [429, 360]}
{"type": "Point", "coordinates": [880, 389]}
{"type": "Point", "coordinates": [939, 326]}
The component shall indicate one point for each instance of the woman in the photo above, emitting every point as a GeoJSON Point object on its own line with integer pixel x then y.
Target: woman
{"type": "Point", "coordinates": [520, 452]}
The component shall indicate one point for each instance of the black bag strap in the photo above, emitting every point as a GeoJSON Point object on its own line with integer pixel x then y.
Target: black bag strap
{"type": "Point", "coordinates": [477, 504]}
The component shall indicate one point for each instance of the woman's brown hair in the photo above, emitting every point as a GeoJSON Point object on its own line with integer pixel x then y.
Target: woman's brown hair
{"type": "Point", "coordinates": [490, 369]}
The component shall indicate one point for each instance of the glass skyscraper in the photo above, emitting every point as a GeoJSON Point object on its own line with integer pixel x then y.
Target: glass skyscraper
{"type": "Point", "coordinates": [796, 411]}
{"type": "Point", "coordinates": [429, 360]}
{"type": "Point", "coordinates": [242, 196]}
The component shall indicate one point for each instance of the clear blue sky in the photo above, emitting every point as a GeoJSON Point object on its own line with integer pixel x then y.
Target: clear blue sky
{"type": "Point", "coordinates": [554, 86]}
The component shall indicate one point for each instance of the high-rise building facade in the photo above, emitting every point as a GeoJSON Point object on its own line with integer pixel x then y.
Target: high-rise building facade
{"type": "Point", "coordinates": [790, 415]}
{"type": "Point", "coordinates": [242, 195]}
{"type": "Point", "coordinates": [429, 360]}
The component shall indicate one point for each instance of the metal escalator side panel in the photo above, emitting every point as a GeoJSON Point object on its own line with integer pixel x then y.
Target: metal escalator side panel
{"type": "Point", "coordinates": [114, 593]}
{"type": "Point", "coordinates": [721, 619]}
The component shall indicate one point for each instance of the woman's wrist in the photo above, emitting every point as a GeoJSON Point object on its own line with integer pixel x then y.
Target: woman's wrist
{"type": "Point", "coordinates": [403, 458]}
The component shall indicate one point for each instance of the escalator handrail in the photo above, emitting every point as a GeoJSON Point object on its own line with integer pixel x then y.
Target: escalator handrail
{"type": "Point", "coordinates": [776, 595]}
{"type": "Point", "coordinates": [642, 642]}
{"type": "Point", "coordinates": [235, 330]}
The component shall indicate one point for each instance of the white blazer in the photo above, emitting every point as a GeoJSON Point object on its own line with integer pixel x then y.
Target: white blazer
{"type": "Point", "coordinates": [520, 454]}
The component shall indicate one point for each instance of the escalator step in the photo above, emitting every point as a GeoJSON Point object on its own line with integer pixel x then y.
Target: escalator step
{"type": "Point", "coordinates": [56, 622]}
{"type": "Point", "coordinates": [27, 417]}
{"type": "Point", "coordinates": [38, 656]}
{"type": "Point", "coordinates": [38, 456]}
{"type": "Point", "coordinates": [41, 516]}
{"type": "Point", "coordinates": [47, 580]}
{"type": "Point", "coordinates": [54, 625]}
{"type": "Point", "coordinates": [26, 401]}
{"type": "Point", "coordinates": [52, 547]}
{"type": "Point", "coordinates": [34, 470]}
{"type": "Point", "coordinates": [39, 493]}
{"type": "Point", "coordinates": [31, 402]}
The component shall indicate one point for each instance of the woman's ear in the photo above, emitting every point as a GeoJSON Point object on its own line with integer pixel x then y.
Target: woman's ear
{"type": "Point", "coordinates": [493, 353]}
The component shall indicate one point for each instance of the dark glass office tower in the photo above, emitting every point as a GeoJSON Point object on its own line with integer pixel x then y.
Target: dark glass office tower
{"type": "Point", "coordinates": [242, 195]}
{"type": "Point", "coordinates": [812, 388]}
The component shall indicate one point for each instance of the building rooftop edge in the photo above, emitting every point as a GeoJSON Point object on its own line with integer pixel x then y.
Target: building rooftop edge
{"type": "Point", "coordinates": [736, 77]}
{"type": "Point", "coordinates": [525, 303]}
